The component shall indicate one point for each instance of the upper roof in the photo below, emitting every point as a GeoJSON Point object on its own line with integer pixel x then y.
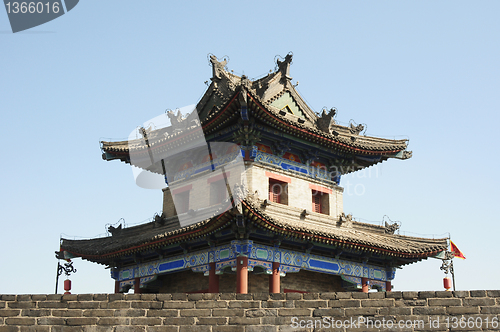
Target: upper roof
{"type": "Point", "coordinates": [274, 102]}
{"type": "Point", "coordinates": [286, 221]}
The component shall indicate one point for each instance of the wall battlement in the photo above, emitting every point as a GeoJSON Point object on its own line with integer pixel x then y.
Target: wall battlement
{"type": "Point", "coordinates": [476, 310]}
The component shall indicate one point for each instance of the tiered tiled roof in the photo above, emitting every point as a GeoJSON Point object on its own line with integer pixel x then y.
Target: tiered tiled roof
{"type": "Point", "coordinates": [316, 228]}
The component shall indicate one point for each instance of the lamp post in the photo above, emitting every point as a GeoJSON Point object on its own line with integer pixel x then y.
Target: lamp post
{"type": "Point", "coordinates": [447, 267]}
{"type": "Point", "coordinates": [67, 268]}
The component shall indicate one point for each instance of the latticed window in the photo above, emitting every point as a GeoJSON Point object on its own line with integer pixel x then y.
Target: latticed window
{"type": "Point", "coordinates": [277, 192]}
{"type": "Point", "coordinates": [316, 203]}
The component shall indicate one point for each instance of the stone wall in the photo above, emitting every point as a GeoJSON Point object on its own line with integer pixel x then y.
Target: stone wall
{"type": "Point", "coordinates": [403, 311]}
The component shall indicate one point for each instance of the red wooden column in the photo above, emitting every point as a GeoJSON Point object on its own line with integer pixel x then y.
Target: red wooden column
{"type": "Point", "coordinates": [364, 285]}
{"type": "Point", "coordinates": [274, 279]}
{"type": "Point", "coordinates": [213, 279]}
{"type": "Point", "coordinates": [242, 275]}
{"type": "Point", "coordinates": [137, 286]}
{"type": "Point", "coordinates": [117, 286]}
{"type": "Point", "coordinates": [388, 286]}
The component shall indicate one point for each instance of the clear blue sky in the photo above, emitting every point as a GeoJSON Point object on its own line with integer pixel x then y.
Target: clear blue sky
{"type": "Point", "coordinates": [427, 70]}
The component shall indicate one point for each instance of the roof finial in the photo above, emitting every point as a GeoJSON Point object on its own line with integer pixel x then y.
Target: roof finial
{"type": "Point", "coordinates": [217, 66]}
{"type": "Point", "coordinates": [284, 66]}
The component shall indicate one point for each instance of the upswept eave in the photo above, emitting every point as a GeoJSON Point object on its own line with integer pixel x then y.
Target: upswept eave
{"type": "Point", "coordinates": [150, 236]}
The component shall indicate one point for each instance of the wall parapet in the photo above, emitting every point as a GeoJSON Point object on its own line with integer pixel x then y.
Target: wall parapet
{"type": "Point", "coordinates": [477, 310]}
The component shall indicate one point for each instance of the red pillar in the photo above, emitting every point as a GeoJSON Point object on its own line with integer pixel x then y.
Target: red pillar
{"type": "Point", "coordinates": [137, 286]}
{"type": "Point", "coordinates": [117, 286]}
{"type": "Point", "coordinates": [274, 279]}
{"type": "Point", "coordinates": [242, 275]}
{"type": "Point", "coordinates": [364, 285]}
{"type": "Point", "coordinates": [213, 279]}
{"type": "Point", "coordinates": [388, 286]}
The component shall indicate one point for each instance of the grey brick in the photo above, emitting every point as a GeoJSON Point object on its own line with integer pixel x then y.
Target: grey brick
{"type": "Point", "coordinates": [311, 304]}
{"type": "Point", "coordinates": [360, 311]}
{"type": "Point", "coordinates": [163, 313]}
{"type": "Point", "coordinates": [79, 321]}
{"type": "Point", "coordinates": [246, 297]}
{"type": "Point", "coordinates": [113, 321]}
{"type": "Point", "coordinates": [195, 313]}
{"type": "Point", "coordinates": [67, 313]}
{"type": "Point", "coordinates": [212, 321]}
{"type": "Point", "coordinates": [261, 296]}
{"type": "Point", "coordinates": [445, 302]}
{"type": "Point", "coordinates": [490, 310]}
{"type": "Point", "coordinates": [277, 296]}
{"type": "Point", "coordinates": [179, 297]}
{"type": "Point", "coordinates": [261, 328]}
{"type": "Point", "coordinates": [35, 312]}
{"type": "Point", "coordinates": [118, 304]}
{"type": "Point", "coordinates": [21, 305]}
{"type": "Point", "coordinates": [261, 312]}
{"type": "Point", "coordinates": [293, 296]}
{"type": "Point", "coordinates": [327, 296]}
{"type": "Point", "coordinates": [460, 293]}
{"type": "Point", "coordinates": [493, 293]}
{"type": "Point", "coordinates": [83, 305]}
{"type": "Point", "coordinates": [23, 297]}
{"type": "Point", "coordinates": [462, 310]}
{"type": "Point", "coordinates": [244, 321]}
{"type": "Point", "coordinates": [478, 301]}
{"type": "Point", "coordinates": [35, 328]}
{"type": "Point", "coordinates": [228, 296]}
{"type": "Point", "coordinates": [195, 297]}
{"type": "Point", "coordinates": [51, 321]}
{"type": "Point", "coordinates": [98, 313]}
{"type": "Point", "coordinates": [147, 304]}
{"type": "Point", "coordinates": [478, 293]}
{"type": "Point", "coordinates": [376, 295]}
{"type": "Point", "coordinates": [52, 304]}
{"type": "Point", "coordinates": [344, 303]}
{"type": "Point", "coordinates": [426, 295]}
{"type": "Point", "coordinates": [7, 297]}
{"type": "Point", "coordinates": [163, 297]}
{"type": "Point", "coordinates": [244, 304]}
{"type": "Point", "coordinates": [178, 321]}
{"type": "Point", "coordinates": [9, 329]}
{"type": "Point", "coordinates": [328, 312]}
{"type": "Point", "coordinates": [359, 295]}
{"type": "Point", "coordinates": [178, 305]}
{"type": "Point", "coordinates": [294, 312]}
{"type": "Point", "coordinates": [227, 312]}
{"type": "Point", "coordinates": [85, 297]}
{"type": "Point", "coordinates": [410, 295]}
{"type": "Point", "coordinates": [130, 313]}
{"type": "Point", "coordinates": [444, 294]}
{"type": "Point", "coordinates": [162, 328]}
{"type": "Point", "coordinates": [9, 312]}
{"type": "Point", "coordinates": [146, 321]}
{"type": "Point", "coordinates": [394, 295]}
{"type": "Point", "coordinates": [197, 328]}
{"type": "Point", "coordinates": [429, 310]}
{"type": "Point", "coordinates": [310, 296]}
{"type": "Point", "coordinates": [100, 297]}
{"type": "Point", "coordinates": [211, 304]}
{"type": "Point", "coordinates": [69, 297]}
{"type": "Point", "coordinates": [378, 303]}
{"type": "Point", "coordinates": [228, 328]}
{"type": "Point", "coordinates": [19, 321]}
{"type": "Point", "coordinates": [130, 329]}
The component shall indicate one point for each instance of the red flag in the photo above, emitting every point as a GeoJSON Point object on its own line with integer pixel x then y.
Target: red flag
{"type": "Point", "coordinates": [456, 251]}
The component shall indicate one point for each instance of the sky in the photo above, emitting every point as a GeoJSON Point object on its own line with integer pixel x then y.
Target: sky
{"type": "Point", "coordinates": [427, 71]}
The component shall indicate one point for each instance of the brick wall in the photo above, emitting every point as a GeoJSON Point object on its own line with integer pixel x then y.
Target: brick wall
{"type": "Point", "coordinates": [437, 311]}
